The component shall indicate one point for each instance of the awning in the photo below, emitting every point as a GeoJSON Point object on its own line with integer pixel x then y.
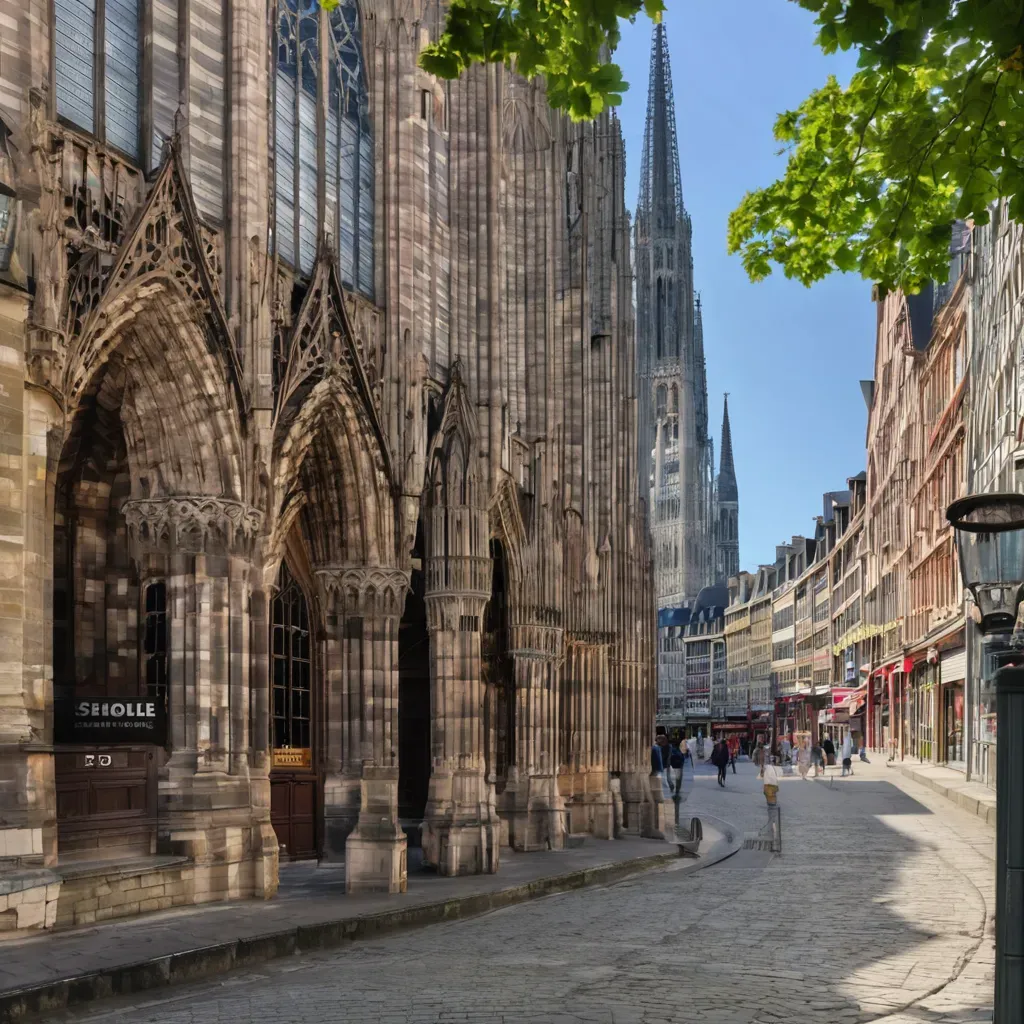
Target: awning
{"type": "Point", "coordinates": [855, 706]}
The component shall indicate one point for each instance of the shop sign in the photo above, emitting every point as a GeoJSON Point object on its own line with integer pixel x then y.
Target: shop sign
{"type": "Point", "coordinates": [292, 757]}
{"type": "Point", "coordinates": [104, 720]}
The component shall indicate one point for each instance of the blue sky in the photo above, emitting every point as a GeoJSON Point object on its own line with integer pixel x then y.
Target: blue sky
{"type": "Point", "coordinates": [790, 357]}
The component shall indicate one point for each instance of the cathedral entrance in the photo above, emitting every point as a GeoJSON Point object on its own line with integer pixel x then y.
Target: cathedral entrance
{"type": "Point", "coordinates": [414, 722]}
{"type": "Point", "coordinates": [106, 793]}
{"type": "Point", "coordinates": [294, 781]}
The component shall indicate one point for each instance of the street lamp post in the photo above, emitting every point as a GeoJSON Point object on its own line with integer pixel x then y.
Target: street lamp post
{"type": "Point", "coordinates": [990, 541]}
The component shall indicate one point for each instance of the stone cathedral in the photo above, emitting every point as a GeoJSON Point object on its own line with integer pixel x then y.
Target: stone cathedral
{"type": "Point", "coordinates": [321, 527]}
{"type": "Point", "coordinates": [693, 513]}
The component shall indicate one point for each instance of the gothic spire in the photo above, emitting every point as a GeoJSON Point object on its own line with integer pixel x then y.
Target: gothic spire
{"type": "Point", "coordinates": [660, 183]}
{"type": "Point", "coordinates": [727, 489]}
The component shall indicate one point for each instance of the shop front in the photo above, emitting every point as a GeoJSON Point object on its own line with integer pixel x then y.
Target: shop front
{"type": "Point", "coordinates": [952, 676]}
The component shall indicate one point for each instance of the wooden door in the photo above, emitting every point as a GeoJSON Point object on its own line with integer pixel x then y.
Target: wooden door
{"type": "Point", "coordinates": [294, 808]}
{"type": "Point", "coordinates": [294, 782]}
{"type": "Point", "coordinates": [106, 802]}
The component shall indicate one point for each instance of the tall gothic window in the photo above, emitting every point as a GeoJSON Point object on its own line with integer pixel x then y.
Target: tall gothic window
{"type": "Point", "coordinates": [98, 69]}
{"type": "Point", "coordinates": [295, 132]}
{"type": "Point", "coordinates": [346, 173]}
{"type": "Point", "coordinates": [348, 116]}
{"type": "Point", "coordinates": [292, 666]}
{"type": "Point", "coordinates": [154, 640]}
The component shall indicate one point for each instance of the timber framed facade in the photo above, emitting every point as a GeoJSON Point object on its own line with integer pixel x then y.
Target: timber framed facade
{"type": "Point", "coordinates": [318, 420]}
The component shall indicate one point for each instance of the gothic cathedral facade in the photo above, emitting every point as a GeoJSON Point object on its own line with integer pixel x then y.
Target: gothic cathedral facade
{"type": "Point", "coordinates": [694, 513]}
{"type": "Point", "coordinates": [319, 431]}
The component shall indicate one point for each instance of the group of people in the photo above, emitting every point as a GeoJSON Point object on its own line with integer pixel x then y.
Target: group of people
{"type": "Point", "coordinates": [807, 753]}
{"type": "Point", "coordinates": [669, 756]}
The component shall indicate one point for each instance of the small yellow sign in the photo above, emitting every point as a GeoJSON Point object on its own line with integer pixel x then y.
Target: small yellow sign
{"type": "Point", "coordinates": [292, 757]}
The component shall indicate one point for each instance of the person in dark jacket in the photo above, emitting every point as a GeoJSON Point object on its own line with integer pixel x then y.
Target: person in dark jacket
{"type": "Point", "coordinates": [829, 749]}
{"type": "Point", "coordinates": [720, 759]}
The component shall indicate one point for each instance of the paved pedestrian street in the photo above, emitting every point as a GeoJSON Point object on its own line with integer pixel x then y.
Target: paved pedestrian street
{"type": "Point", "coordinates": [878, 909]}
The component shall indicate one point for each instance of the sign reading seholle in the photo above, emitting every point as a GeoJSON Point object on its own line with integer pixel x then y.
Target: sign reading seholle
{"type": "Point", "coordinates": [105, 720]}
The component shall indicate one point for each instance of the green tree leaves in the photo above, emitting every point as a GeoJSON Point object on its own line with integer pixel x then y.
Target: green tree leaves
{"type": "Point", "coordinates": [563, 40]}
{"type": "Point", "coordinates": [930, 128]}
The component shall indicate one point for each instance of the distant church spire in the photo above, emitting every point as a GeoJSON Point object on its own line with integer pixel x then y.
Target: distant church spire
{"type": "Point", "coordinates": [661, 189]}
{"type": "Point", "coordinates": [727, 508]}
{"type": "Point", "coordinates": [727, 489]}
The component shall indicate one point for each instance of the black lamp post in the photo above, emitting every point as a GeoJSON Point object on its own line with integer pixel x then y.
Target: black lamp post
{"type": "Point", "coordinates": [990, 540]}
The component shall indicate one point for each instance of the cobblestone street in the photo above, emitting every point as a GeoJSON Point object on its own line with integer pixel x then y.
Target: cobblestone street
{"type": "Point", "coordinates": [877, 910]}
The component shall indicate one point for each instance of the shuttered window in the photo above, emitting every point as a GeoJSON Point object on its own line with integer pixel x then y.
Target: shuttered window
{"type": "Point", "coordinates": [80, 51]}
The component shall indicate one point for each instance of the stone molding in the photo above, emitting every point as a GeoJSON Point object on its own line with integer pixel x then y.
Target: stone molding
{"type": "Point", "coordinates": [537, 642]}
{"type": "Point", "coordinates": [367, 591]}
{"type": "Point", "coordinates": [190, 524]}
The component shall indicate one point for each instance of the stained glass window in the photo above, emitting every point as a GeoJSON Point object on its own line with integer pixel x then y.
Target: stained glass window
{"type": "Point", "coordinates": [348, 166]}
{"type": "Point", "coordinates": [76, 45]}
{"type": "Point", "coordinates": [349, 106]}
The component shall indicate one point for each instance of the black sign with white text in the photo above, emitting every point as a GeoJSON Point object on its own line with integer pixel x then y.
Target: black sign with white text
{"type": "Point", "coordinates": [110, 720]}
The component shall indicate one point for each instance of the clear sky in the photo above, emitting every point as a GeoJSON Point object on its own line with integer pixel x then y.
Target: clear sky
{"type": "Point", "coordinates": [790, 357]}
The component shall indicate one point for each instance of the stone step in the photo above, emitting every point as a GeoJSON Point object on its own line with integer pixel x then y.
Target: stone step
{"type": "Point", "coordinates": [575, 839]}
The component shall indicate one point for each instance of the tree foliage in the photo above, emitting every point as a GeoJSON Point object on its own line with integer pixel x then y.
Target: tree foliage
{"type": "Point", "coordinates": [930, 128]}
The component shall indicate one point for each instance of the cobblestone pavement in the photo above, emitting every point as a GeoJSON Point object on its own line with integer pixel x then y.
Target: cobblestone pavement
{"type": "Point", "coordinates": [878, 909]}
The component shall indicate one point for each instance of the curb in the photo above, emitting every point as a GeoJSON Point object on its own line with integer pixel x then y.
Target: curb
{"type": "Point", "coordinates": [962, 800]}
{"type": "Point", "coordinates": [207, 961]}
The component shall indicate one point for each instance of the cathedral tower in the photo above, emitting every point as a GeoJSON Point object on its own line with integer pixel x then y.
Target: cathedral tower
{"type": "Point", "coordinates": [727, 509]}
{"type": "Point", "coordinates": [674, 458]}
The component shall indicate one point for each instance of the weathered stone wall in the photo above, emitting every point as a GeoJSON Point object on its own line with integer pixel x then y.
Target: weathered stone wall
{"type": "Point", "coordinates": [189, 410]}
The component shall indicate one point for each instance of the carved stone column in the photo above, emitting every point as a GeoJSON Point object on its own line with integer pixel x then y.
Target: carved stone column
{"type": "Point", "coordinates": [461, 829]}
{"type": "Point", "coordinates": [364, 607]}
{"type": "Point", "coordinates": [644, 809]}
{"type": "Point", "coordinates": [537, 810]}
{"type": "Point", "coordinates": [202, 548]}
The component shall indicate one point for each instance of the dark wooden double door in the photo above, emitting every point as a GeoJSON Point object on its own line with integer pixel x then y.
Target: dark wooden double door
{"type": "Point", "coordinates": [295, 813]}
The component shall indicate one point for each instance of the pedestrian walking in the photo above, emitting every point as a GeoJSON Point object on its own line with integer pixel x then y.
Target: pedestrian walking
{"type": "Point", "coordinates": [759, 758]}
{"type": "Point", "coordinates": [818, 758]}
{"type": "Point", "coordinates": [732, 754]}
{"type": "Point", "coordinates": [785, 750]}
{"type": "Point", "coordinates": [684, 749]}
{"type": "Point", "coordinates": [829, 749]}
{"type": "Point", "coordinates": [847, 754]}
{"type": "Point", "coordinates": [675, 772]}
{"type": "Point", "coordinates": [771, 785]}
{"type": "Point", "coordinates": [803, 757]}
{"type": "Point", "coordinates": [720, 759]}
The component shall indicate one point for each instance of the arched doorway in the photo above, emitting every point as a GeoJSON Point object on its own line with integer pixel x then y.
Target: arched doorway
{"type": "Point", "coordinates": [414, 700]}
{"type": "Point", "coordinates": [294, 781]}
{"type": "Point", "coordinates": [110, 640]}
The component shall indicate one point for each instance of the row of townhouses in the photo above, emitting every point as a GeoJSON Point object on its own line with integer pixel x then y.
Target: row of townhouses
{"type": "Point", "coordinates": [862, 627]}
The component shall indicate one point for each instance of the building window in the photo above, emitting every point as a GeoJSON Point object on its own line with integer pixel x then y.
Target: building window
{"type": "Point", "coordinates": [292, 666]}
{"type": "Point", "coordinates": [101, 36]}
{"type": "Point", "coordinates": [296, 98]}
{"type": "Point", "coordinates": [349, 112]}
{"type": "Point", "coordinates": [347, 171]}
{"type": "Point", "coordinates": [154, 640]}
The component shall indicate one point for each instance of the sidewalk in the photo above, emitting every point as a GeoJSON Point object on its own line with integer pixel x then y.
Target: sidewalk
{"type": "Point", "coordinates": [311, 911]}
{"type": "Point", "coordinates": [974, 797]}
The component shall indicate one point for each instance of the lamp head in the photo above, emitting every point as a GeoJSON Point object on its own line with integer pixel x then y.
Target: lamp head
{"type": "Point", "coordinates": [990, 542]}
